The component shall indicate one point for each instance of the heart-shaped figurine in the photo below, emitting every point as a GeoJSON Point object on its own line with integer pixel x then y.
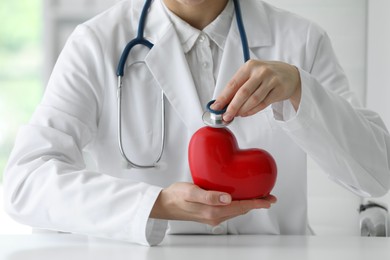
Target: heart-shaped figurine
{"type": "Point", "coordinates": [217, 163]}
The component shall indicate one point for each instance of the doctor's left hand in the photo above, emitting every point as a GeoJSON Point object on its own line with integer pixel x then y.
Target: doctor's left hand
{"type": "Point", "coordinates": [186, 201]}
{"type": "Point", "coordinates": [256, 85]}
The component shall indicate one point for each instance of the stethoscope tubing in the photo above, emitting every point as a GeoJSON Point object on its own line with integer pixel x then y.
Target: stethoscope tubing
{"type": "Point", "coordinates": [140, 40]}
{"type": "Point", "coordinates": [120, 143]}
{"type": "Point", "coordinates": [241, 30]}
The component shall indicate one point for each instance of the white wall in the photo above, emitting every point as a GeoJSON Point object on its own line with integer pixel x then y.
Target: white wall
{"type": "Point", "coordinates": [378, 58]}
{"type": "Point", "coordinates": [378, 62]}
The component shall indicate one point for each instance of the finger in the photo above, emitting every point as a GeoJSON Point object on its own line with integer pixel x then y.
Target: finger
{"type": "Point", "coordinates": [240, 207]}
{"type": "Point", "coordinates": [271, 198]}
{"type": "Point", "coordinates": [251, 93]}
{"type": "Point", "coordinates": [256, 100]}
{"type": "Point", "coordinates": [255, 110]}
{"type": "Point", "coordinates": [212, 198]}
{"type": "Point", "coordinates": [247, 205]}
{"type": "Point", "coordinates": [227, 94]}
{"type": "Point", "coordinates": [259, 107]}
{"type": "Point", "coordinates": [241, 98]}
{"type": "Point", "coordinates": [213, 215]}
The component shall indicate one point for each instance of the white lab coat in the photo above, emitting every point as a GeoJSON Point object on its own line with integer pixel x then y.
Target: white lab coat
{"type": "Point", "coordinates": [47, 182]}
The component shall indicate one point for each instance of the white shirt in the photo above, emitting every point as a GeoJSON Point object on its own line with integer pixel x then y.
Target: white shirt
{"type": "Point", "coordinates": [203, 49]}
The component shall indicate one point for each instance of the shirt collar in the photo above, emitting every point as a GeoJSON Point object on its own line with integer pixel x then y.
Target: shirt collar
{"type": "Point", "coordinates": [217, 30]}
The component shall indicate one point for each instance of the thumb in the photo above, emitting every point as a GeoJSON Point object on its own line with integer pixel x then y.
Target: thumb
{"type": "Point", "coordinates": [212, 198]}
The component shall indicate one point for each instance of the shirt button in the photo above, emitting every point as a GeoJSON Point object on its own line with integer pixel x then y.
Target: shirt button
{"type": "Point", "coordinates": [202, 38]}
{"type": "Point", "coordinates": [205, 65]}
{"type": "Point", "coordinates": [218, 230]}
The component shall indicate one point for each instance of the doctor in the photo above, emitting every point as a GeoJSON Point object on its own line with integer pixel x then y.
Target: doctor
{"type": "Point", "coordinates": [292, 99]}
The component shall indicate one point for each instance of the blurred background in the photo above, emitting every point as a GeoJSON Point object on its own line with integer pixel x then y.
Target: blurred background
{"type": "Point", "coordinates": [20, 78]}
{"type": "Point", "coordinates": [33, 32]}
{"type": "Point", "coordinates": [20, 67]}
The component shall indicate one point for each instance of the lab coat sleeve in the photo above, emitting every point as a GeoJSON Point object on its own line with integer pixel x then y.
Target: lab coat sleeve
{"type": "Point", "coordinates": [348, 142]}
{"type": "Point", "coordinates": [46, 183]}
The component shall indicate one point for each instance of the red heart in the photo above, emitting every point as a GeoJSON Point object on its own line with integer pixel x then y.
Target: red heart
{"type": "Point", "coordinates": [217, 163]}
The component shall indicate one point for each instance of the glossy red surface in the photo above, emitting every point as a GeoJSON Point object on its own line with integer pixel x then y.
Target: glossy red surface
{"type": "Point", "coordinates": [217, 163]}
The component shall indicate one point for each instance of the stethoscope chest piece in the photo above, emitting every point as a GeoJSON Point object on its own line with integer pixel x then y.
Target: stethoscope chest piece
{"type": "Point", "coordinates": [213, 118]}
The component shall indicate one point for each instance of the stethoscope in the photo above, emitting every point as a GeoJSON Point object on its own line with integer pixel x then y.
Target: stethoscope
{"type": "Point", "coordinates": [211, 117]}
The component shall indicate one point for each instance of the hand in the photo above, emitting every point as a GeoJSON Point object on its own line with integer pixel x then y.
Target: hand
{"type": "Point", "coordinates": [186, 201]}
{"type": "Point", "coordinates": [256, 85]}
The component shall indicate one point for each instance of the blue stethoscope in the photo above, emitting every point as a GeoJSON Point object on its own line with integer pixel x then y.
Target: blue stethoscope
{"type": "Point", "coordinates": [212, 117]}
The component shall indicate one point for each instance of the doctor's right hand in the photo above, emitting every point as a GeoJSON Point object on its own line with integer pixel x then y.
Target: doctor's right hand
{"type": "Point", "coordinates": [186, 201]}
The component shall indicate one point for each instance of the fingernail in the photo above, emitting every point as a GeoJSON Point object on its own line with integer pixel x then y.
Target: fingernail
{"type": "Point", "coordinates": [227, 117]}
{"type": "Point", "coordinates": [225, 199]}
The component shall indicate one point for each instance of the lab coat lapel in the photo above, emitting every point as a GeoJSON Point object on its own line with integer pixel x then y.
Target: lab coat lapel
{"type": "Point", "coordinates": [232, 60]}
{"type": "Point", "coordinates": [168, 65]}
{"type": "Point", "coordinates": [258, 33]}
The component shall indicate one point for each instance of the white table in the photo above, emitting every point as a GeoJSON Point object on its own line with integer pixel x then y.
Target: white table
{"type": "Point", "coordinates": [74, 247]}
